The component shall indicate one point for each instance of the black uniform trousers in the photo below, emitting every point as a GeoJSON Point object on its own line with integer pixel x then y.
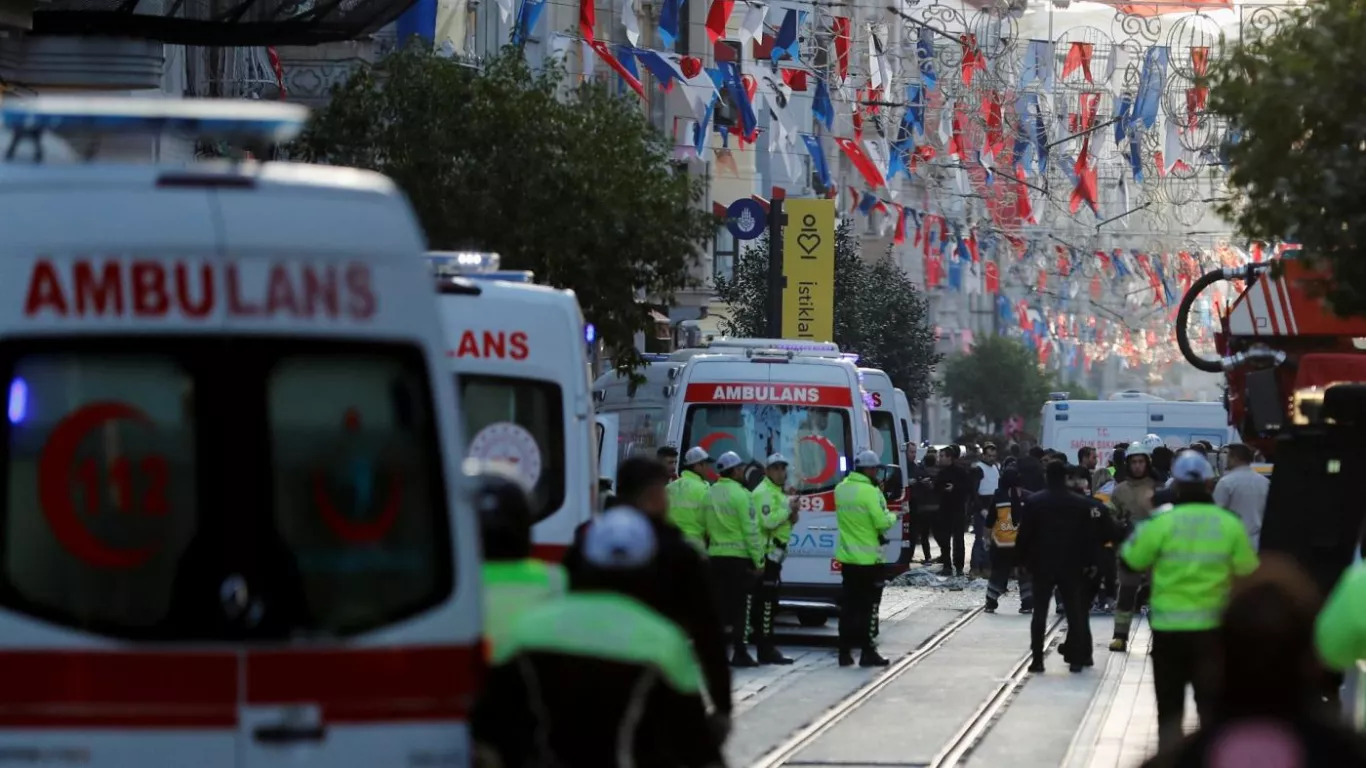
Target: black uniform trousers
{"type": "Point", "coordinates": [948, 534]}
{"type": "Point", "coordinates": [765, 604]}
{"type": "Point", "coordinates": [735, 583]}
{"type": "Point", "coordinates": [1070, 588]}
{"type": "Point", "coordinates": [1002, 569]}
{"type": "Point", "coordinates": [860, 600]}
{"type": "Point", "coordinates": [1181, 659]}
{"type": "Point", "coordinates": [920, 532]}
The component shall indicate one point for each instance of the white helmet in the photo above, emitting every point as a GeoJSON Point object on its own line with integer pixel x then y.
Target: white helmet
{"type": "Point", "coordinates": [867, 460]}
{"type": "Point", "coordinates": [728, 461]}
{"type": "Point", "coordinates": [1191, 467]}
{"type": "Point", "coordinates": [1153, 442]}
{"type": "Point", "coordinates": [695, 455]}
{"type": "Point", "coordinates": [1139, 449]}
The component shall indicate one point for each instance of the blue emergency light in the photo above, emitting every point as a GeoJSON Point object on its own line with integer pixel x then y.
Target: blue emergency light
{"type": "Point", "coordinates": [269, 121]}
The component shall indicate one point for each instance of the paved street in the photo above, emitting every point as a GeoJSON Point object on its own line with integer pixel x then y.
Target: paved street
{"type": "Point", "coordinates": [1102, 718]}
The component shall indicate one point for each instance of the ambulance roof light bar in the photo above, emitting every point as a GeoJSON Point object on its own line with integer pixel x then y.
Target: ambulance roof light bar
{"type": "Point", "coordinates": [769, 355]}
{"type": "Point", "coordinates": [474, 265]}
{"type": "Point", "coordinates": [266, 122]}
{"type": "Point", "coordinates": [817, 348]}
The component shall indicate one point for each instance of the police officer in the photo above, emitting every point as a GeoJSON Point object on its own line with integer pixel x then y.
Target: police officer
{"type": "Point", "coordinates": [513, 580]}
{"type": "Point", "coordinates": [1194, 549]}
{"type": "Point", "coordinates": [597, 678]}
{"type": "Point", "coordinates": [736, 551]}
{"type": "Point", "coordinates": [862, 516]}
{"type": "Point", "coordinates": [688, 497]}
{"type": "Point", "coordinates": [777, 515]}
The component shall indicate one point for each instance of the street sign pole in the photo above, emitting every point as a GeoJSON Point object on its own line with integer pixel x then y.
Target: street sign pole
{"type": "Point", "coordinates": [777, 219]}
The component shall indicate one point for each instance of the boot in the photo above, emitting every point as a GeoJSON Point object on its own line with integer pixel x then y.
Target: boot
{"type": "Point", "coordinates": [946, 571]}
{"type": "Point", "coordinates": [1119, 645]}
{"type": "Point", "coordinates": [741, 658]}
{"type": "Point", "coordinates": [846, 657]}
{"type": "Point", "coordinates": [1026, 608]}
{"type": "Point", "coordinates": [1075, 668]}
{"type": "Point", "coordinates": [1037, 665]}
{"type": "Point", "coordinates": [991, 606]}
{"type": "Point", "coordinates": [769, 654]}
{"type": "Point", "coordinates": [870, 658]}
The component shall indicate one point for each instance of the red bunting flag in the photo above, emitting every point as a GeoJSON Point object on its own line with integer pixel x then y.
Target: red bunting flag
{"type": "Point", "coordinates": [865, 167]}
{"type": "Point", "coordinates": [1079, 57]}
{"type": "Point", "coordinates": [606, 55]}
{"type": "Point", "coordinates": [718, 18]}
{"type": "Point", "coordinates": [588, 20]}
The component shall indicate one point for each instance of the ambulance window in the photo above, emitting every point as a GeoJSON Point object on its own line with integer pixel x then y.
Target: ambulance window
{"type": "Point", "coordinates": [640, 431]}
{"type": "Point", "coordinates": [101, 486]}
{"type": "Point", "coordinates": [817, 440]}
{"type": "Point", "coordinates": [884, 437]}
{"type": "Point", "coordinates": [356, 495]}
{"type": "Point", "coordinates": [522, 421]}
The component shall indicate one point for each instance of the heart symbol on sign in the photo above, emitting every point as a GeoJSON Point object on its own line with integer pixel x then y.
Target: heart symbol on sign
{"type": "Point", "coordinates": [808, 242]}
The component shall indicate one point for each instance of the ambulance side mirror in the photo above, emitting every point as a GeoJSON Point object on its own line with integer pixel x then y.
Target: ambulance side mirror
{"type": "Point", "coordinates": [893, 484]}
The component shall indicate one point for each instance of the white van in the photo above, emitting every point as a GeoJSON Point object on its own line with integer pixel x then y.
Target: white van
{"type": "Point", "coordinates": [639, 409]}
{"type": "Point", "coordinates": [520, 355]}
{"type": "Point", "coordinates": [807, 407]}
{"type": "Point", "coordinates": [234, 528]}
{"type": "Point", "coordinates": [1071, 424]}
{"type": "Point", "coordinates": [889, 440]}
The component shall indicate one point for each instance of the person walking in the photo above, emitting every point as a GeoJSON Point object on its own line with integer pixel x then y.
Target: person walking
{"type": "Point", "coordinates": [1132, 501]}
{"type": "Point", "coordinates": [984, 507]}
{"type": "Point", "coordinates": [863, 519]}
{"type": "Point", "coordinates": [598, 678]}
{"type": "Point", "coordinates": [513, 579]}
{"type": "Point", "coordinates": [682, 587]}
{"type": "Point", "coordinates": [777, 515]}
{"type": "Point", "coordinates": [1242, 491]}
{"type": "Point", "coordinates": [736, 551]}
{"type": "Point", "coordinates": [1003, 527]}
{"type": "Point", "coordinates": [954, 487]}
{"type": "Point", "coordinates": [1195, 550]}
{"type": "Point", "coordinates": [1053, 544]}
{"type": "Point", "coordinates": [689, 496]}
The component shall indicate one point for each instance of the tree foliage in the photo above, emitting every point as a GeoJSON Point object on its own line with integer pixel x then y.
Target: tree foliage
{"type": "Point", "coordinates": [999, 378]}
{"type": "Point", "coordinates": [1295, 102]}
{"type": "Point", "coordinates": [577, 187]}
{"type": "Point", "coordinates": [878, 312]}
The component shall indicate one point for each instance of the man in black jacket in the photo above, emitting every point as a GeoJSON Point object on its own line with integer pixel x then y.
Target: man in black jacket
{"type": "Point", "coordinates": [954, 487]}
{"type": "Point", "coordinates": [1055, 545]}
{"type": "Point", "coordinates": [1031, 470]}
{"type": "Point", "coordinates": [680, 585]}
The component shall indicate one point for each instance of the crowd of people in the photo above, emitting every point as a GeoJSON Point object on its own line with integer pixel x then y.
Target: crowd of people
{"type": "Point", "coordinates": [628, 645]}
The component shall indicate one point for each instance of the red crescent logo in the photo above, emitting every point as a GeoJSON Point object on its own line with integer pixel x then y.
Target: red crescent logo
{"type": "Point", "coordinates": [54, 485]}
{"type": "Point", "coordinates": [832, 460]}
{"type": "Point", "coordinates": [358, 532]}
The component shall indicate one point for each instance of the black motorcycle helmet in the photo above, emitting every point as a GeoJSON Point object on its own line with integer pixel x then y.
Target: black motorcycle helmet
{"type": "Point", "coordinates": [503, 507]}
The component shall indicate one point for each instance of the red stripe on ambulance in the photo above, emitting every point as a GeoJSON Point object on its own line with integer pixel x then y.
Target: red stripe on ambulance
{"type": "Point", "coordinates": [117, 689]}
{"type": "Point", "coordinates": [784, 394]}
{"type": "Point", "coordinates": [368, 685]}
{"type": "Point", "coordinates": [122, 689]}
{"type": "Point", "coordinates": [196, 290]}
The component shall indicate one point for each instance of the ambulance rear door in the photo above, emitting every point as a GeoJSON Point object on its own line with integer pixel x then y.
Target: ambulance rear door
{"type": "Point", "coordinates": [518, 353]}
{"type": "Point", "coordinates": [1179, 424]}
{"type": "Point", "coordinates": [608, 426]}
{"type": "Point", "coordinates": [235, 530]}
{"type": "Point", "coordinates": [888, 439]}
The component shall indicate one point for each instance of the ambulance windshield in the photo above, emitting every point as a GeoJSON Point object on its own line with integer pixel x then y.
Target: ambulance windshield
{"type": "Point", "coordinates": [520, 421]}
{"type": "Point", "coordinates": [184, 488]}
{"type": "Point", "coordinates": [640, 431]}
{"type": "Point", "coordinates": [816, 440]}
{"type": "Point", "coordinates": [884, 437]}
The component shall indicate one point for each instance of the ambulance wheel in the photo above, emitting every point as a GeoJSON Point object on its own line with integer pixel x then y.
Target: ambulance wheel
{"type": "Point", "coordinates": [811, 619]}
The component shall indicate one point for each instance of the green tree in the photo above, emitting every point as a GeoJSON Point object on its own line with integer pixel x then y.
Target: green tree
{"type": "Point", "coordinates": [997, 379]}
{"type": "Point", "coordinates": [879, 314]}
{"type": "Point", "coordinates": [1295, 101]}
{"type": "Point", "coordinates": [576, 187]}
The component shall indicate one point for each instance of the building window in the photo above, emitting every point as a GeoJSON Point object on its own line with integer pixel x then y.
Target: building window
{"type": "Point", "coordinates": [724, 250]}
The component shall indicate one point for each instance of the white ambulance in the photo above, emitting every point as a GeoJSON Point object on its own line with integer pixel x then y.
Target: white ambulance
{"type": "Point", "coordinates": [1127, 417]}
{"type": "Point", "coordinates": [520, 356]}
{"type": "Point", "coordinates": [908, 423]}
{"type": "Point", "coordinates": [889, 440]}
{"type": "Point", "coordinates": [806, 405]}
{"type": "Point", "coordinates": [235, 530]}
